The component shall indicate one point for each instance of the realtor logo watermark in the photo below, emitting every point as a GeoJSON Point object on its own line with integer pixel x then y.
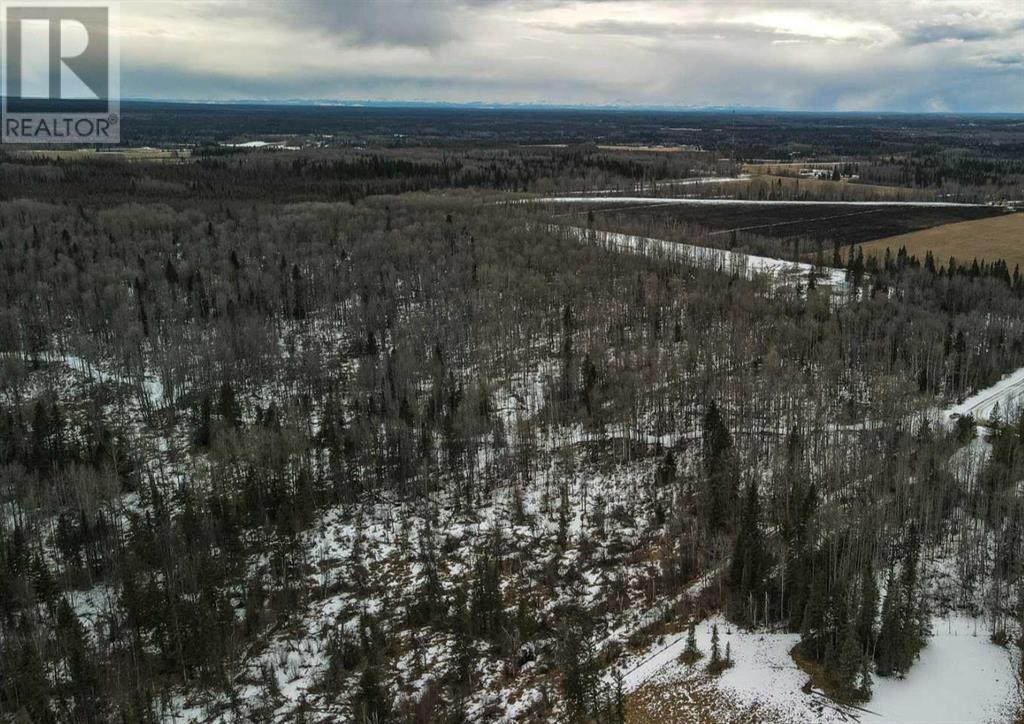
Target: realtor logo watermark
{"type": "Point", "coordinates": [61, 73]}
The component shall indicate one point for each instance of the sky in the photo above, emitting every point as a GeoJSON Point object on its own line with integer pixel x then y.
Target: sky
{"type": "Point", "coordinates": [820, 55]}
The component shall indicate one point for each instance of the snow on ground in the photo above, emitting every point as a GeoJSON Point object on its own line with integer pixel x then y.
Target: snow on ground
{"type": "Point", "coordinates": [734, 262]}
{"type": "Point", "coordinates": [961, 677]}
{"type": "Point", "coordinates": [151, 387]}
{"type": "Point", "coordinates": [732, 202]}
{"type": "Point", "coordinates": [764, 678]}
{"type": "Point", "coordinates": [654, 186]}
{"type": "Point", "coordinates": [523, 396]}
{"type": "Point", "coordinates": [1007, 393]}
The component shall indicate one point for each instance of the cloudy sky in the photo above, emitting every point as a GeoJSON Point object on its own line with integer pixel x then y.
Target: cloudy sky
{"type": "Point", "coordinates": [855, 55]}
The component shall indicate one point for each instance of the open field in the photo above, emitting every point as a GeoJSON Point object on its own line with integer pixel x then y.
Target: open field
{"type": "Point", "coordinates": [997, 237]}
{"type": "Point", "coordinates": [823, 188]}
{"type": "Point", "coordinates": [120, 154]}
{"type": "Point", "coordinates": [786, 168]}
{"type": "Point", "coordinates": [767, 685]}
{"type": "Point", "coordinates": [845, 224]}
{"type": "Point", "coordinates": [647, 149]}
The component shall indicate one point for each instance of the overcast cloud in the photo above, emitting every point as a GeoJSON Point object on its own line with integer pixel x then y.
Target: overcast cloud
{"type": "Point", "coordinates": [853, 55]}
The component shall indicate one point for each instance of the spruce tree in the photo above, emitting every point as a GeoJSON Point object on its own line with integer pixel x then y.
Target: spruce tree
{"type": "Point", "coordinates": [887, 655]}
{"type": "Point", "coordinates": [868, 613]}
{"type": "Point", "coordinates": [748, 565]}
{"type": "Point", "coordinates": [578, 669]}
{"type": "Point", "coordinates": [462, 645]}
{"type": "Point", "coordinates": [849, 662]}
{"type": "Point", "coordinates": [229, 406]}
{"type": "Point", "coordinates": [719, 473]}
{"type": "Point", "coordinates": [80, 664]}
{"type": "Point", "coordinates": [715, 665]}
{"type": "Point", "coordinates": [691, 654]}
{"type": "Point", "coordinates": [813, 630]}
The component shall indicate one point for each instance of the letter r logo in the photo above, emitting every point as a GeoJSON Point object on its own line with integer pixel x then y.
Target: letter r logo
{"type": "Point", "coordinates": [57, 58]}
{"type": "Point", "coordinates": [61, 71]}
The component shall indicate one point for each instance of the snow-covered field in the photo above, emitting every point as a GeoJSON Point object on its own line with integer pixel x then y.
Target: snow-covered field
{"type": "Point", "coordinates": [961, 677]}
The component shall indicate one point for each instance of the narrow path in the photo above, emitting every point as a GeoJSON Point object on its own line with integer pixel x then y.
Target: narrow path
{"type": "Point", "coordinates": [1007, 393]}
{"type": "Point", "coordinates": [667, 201]}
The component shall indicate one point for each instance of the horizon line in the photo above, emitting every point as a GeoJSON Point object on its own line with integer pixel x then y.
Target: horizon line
{"type": "Point", "coordinates": [541, 106]}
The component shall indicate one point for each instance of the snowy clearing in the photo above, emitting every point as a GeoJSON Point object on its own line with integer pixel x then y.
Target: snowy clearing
{"type": "Point", "coordinates": [960, 677]}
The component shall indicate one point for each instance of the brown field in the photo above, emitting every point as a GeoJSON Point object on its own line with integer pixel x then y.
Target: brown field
{"type": "Point", "coordinates": [648, 149]}
{"type": "Point", "coordinates": [998, 237]}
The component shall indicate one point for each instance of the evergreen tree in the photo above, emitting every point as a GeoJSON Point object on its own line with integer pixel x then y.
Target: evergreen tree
{"type": "Point", "coordinates": [578, 669]}
{"type": "Point", "coordinates": [80, 664]}
{"type": "Point", "coordinates": [229, 406]}
{"type": "Point", "coordinates": [849, 662]}
{"type": "Point", "coordinates": [202, 435]}
{"type": "Point", "coordinates": [715, 664]}
{"type": "Point", "coordinates": [865, 678]}
{"type": "Point", "coordinates": [462, 645]}
{"type": "Point", "coordinates": [868, 609]}
{"type": "Point", "coordinates": [691, 654]}
{"type": "Point", "coordinates": [27, 686]}
{"type": "Point", "coordinates": [719, 471]}
{"type": "Point", "coordinates": [372, 702]}
{"type": "Point", "coordinates": [887, 655]}
{"type": "Point", "coordinates": [905, 624]}
{"type": "Point", "coordinates": [618, 700]}
{"type": "Point", "coordinates": [486, 603]}
{"type": "Point", "coordinates": [749, 563]}
{"type": "Point", "coordinates": [813, 632]}
{"type": "Point", "coordinates": [563, 516]}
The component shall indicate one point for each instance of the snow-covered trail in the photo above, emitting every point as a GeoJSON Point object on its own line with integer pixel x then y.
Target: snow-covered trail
{"type": "Point", "coordinates": [666, 201]}
{"type": "Point", "coordinates": [1007, 393]}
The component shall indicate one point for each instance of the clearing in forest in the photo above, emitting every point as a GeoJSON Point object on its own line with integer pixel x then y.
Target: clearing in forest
{"type": "Point", "coordinates": [827, 189]}
{"type": "Point", "coordinates": [997, 237]}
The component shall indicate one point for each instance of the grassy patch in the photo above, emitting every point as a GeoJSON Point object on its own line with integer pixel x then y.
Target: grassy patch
{"type": "Point", "coordinates": [998, 237]}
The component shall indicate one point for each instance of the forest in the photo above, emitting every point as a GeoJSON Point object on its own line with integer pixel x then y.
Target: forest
{"type": "Point", "coordinates": [354, 433]}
